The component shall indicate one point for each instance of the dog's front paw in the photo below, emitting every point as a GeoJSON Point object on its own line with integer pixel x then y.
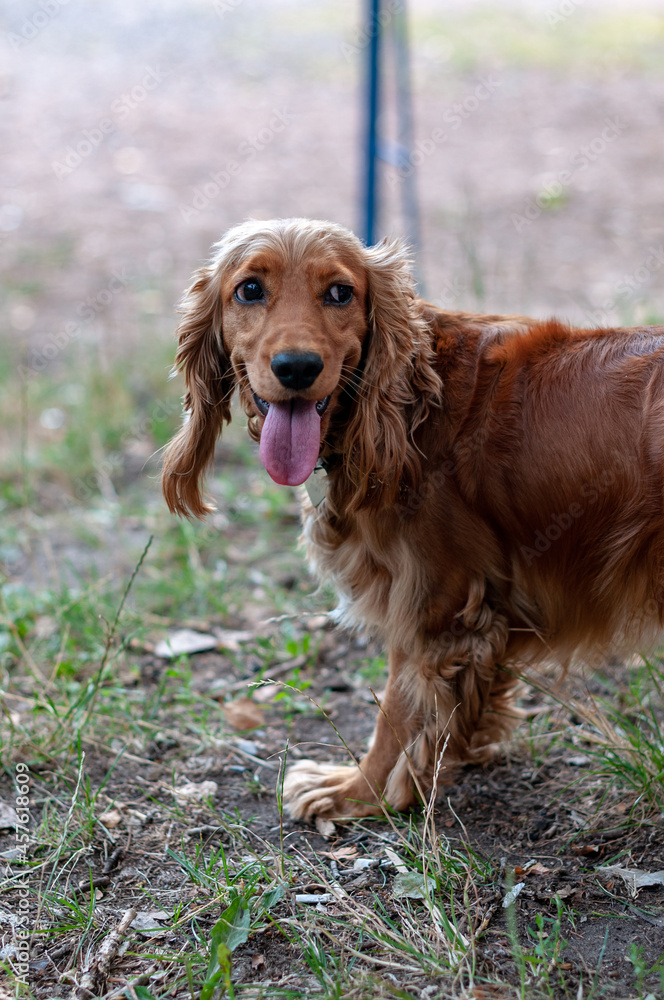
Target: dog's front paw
{"type": "Point", "coordinates": [330, 790]}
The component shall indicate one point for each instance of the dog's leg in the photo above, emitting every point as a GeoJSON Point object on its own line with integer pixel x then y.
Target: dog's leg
{"type": "Point", "coordinates": [447, 706]}
{"type": "Point", "coordinates": [462, 701]}
{"type": "Point", "coordinates": [499, 718]}
{"type": "Point", "coordinates": [336, 790]}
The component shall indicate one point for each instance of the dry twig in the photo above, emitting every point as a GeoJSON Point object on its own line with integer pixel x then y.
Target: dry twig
{"type": "Point", "coordinates": [99, 968]}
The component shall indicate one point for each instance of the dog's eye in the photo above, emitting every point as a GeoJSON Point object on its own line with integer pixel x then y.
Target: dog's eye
{"type": "Point", "coordinates": [339, 295]}
{"type": "Point", "coordinates": [249, 291]}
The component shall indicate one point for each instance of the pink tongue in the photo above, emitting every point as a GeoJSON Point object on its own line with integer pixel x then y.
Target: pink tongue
{"type": "Point", "coordinates": [290, 441]}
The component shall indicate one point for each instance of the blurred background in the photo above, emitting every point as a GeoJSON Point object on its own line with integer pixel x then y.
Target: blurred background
{"type": "Point", "coordinates": [132, 135]}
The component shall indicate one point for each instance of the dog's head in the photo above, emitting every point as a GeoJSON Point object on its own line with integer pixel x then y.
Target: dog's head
{"type": "Point", "coordinates": [306, 322]}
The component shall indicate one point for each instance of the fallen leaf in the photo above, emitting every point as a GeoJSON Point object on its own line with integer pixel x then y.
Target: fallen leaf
{"type": "Point", "coordinates": [191, 792]}
{"type": "Point", "coordinates": [396, 860]}
{"type": "Point", "coordinates": [534, 869]}
{"type": "Point", "coordinates": [584, 849]}
{"type": "Point", "coordinates": [257, 961]}
{"type": "Point", "coordinates": [413, 885]}
{"type": "Point", "coordinates": [111, 819]}
{"type": "Point", "coordinates": [231, 639]}
{"type": "Point", "coordinates": [184, 641]}
{"type": "Point", "coordinates": [243, 713]}
{"type": "Point", "coordinates": [341, 853]}
{"type": "Point", "coordinates": [632, 877]}
{"type": "Point", "coordinates": [512, 894]}
{"type": "Point", "coordinates": [150, 920]}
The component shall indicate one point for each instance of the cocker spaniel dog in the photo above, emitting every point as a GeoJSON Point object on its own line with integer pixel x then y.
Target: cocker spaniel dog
{"type": "Point", "coordinates": [485, 491]}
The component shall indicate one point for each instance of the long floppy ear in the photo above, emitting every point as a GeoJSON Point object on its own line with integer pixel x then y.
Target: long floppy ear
{"type": "Point", "coordinates": [209, 385]}
{"type": "Point", "coordinates": [399, 384]}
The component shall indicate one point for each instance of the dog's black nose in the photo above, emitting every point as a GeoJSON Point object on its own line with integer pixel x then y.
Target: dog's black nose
{"type": "Point", "coordinates": [297, 369]}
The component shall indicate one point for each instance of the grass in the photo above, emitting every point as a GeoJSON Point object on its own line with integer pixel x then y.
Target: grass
{"type": "Point", "coordinates": [420, 919]}
{"type": "Point", "coordinates": [423, 918]}
{"type": "Point", "coordinates": [119, 743]}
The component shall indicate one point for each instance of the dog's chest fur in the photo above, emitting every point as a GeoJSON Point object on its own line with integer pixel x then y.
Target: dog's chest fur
{"type": "Point", "coordinates": [370, 569]}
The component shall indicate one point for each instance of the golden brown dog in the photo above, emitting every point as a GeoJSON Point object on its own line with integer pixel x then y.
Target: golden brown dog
{"type": "Point", "coordinates": [494, 487]}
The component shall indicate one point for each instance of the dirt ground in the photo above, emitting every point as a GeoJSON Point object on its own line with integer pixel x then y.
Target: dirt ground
{"type": "Point", "coordinates": [536, 818]}
{"type": "Point", "coordinates": [120, 128]}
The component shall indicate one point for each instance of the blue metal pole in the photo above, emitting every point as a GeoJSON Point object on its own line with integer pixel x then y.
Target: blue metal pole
{"type": "Point", "coordinates": [371, 144]}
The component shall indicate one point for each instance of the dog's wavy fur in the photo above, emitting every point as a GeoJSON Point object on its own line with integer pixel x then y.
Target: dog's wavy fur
{"type": "Point", "coordinates": [495, 485]}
